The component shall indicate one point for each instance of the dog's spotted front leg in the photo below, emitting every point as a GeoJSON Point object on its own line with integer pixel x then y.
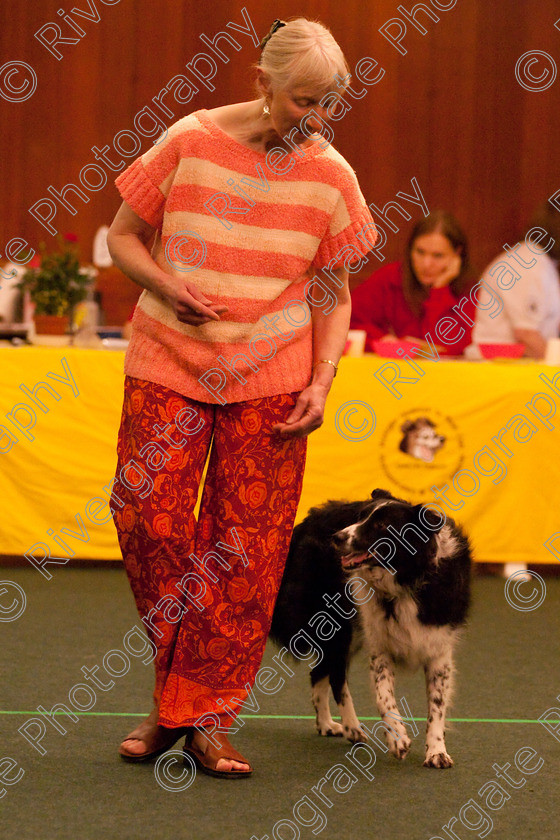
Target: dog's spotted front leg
{"type": "Point", "coordinates": [351, 725]}
{"type": "Point", "coordinates": [439, 685]}
{"type": "Point", "coordinates": [383, 685]}
{"type": "Point", "coordinates": [324, 723]}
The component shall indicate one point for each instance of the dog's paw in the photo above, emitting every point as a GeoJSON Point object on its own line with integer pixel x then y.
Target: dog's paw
{"type": "Point", "coordinates": [441, 760]}
{"type": "Point", "coordinates": [399, 747]}
{"type": "Point", "coordinates": [331, 729]}
{"type": "Point", "coordinates": [355, 734]}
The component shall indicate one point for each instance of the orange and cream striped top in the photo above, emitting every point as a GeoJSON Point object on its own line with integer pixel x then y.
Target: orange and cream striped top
{"type": "Point", "coordinates": [261, 237]}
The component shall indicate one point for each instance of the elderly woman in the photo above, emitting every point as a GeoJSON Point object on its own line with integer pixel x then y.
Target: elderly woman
{"type": "Point", "coordinates": [235, 343]}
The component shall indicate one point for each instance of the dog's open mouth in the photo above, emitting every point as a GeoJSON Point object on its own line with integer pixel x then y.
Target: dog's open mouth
{"type": "Point", "coordinates": [351, 561]}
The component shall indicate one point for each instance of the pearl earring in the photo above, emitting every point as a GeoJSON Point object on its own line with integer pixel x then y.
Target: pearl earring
{"type": "Point", "coordinates": [266, 109]}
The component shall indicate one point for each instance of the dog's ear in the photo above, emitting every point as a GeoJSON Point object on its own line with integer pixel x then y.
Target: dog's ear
{"type": "Point", "coordinates": [428, 520]}
{"type": "Point", "coordinates": [407, 426]}
{"type": "Point", "coordinates": [380, 494]}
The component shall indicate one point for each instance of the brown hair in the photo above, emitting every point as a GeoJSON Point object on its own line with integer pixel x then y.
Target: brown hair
{"type": "Point", "coordinates": [440, 221]}
{"type": "Point", "coordinates": [547, 217]}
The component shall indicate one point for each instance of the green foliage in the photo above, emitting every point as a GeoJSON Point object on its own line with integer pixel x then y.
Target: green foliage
{"type": "Point", "coordinates": [57, 285]}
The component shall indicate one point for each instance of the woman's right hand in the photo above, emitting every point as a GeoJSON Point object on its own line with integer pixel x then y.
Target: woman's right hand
{"type": "Point", "coordinates": [191, 306]}
{"type": "Point", "coordinates": [127, 240]}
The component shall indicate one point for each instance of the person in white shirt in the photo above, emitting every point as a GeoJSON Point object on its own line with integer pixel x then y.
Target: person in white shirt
{"type": "Point", "coordinates": [526, 280]}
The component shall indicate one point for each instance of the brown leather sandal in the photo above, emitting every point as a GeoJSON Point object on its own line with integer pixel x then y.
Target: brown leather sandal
{"type": "Point", "coordinates": [207, 761]}
{"type": "Point", "coordinates": [158, 739]}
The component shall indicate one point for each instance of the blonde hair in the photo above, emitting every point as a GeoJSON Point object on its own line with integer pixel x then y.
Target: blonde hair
{"type": "Point", "coordinates": [304, 52]}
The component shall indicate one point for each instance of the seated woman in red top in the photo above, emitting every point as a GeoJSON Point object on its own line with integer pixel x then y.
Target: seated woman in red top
{"type": "Point", "coordinates": [407, 299]}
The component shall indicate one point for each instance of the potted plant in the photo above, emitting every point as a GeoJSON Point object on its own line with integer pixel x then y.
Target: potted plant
{"type": "Point", "coordinates": [56, 285]}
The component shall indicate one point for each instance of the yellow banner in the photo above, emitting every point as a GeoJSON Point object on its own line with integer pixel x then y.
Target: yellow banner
{"type": "Point", "coordinates": [478, 439]}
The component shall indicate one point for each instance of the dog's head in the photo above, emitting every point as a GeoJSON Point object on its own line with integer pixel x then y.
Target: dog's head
{"type": "Point", "coordinates": [391, 534]}
{"type": "Point", "coordinates": [420, 438]}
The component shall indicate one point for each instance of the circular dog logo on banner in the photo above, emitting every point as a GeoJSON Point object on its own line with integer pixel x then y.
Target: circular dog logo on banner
{"type": "Point", "coordinates": [420, 448]}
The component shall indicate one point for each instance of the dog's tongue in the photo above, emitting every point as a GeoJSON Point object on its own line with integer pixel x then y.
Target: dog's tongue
{"type": "Point", "coordinates": [350, 560]}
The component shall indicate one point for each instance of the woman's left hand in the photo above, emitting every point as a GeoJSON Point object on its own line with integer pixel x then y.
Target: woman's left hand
{"type": "Point", "coordinates": [307, 414]}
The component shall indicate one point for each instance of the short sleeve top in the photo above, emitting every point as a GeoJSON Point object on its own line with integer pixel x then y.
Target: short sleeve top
{"type": "Point", "coordinates": [520, 292]}
{"type": "Point", "coordinates": [254, 232]}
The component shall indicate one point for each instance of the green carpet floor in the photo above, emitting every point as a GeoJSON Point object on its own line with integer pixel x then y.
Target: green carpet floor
{"type": "Point", "coordinates": [508, 676]}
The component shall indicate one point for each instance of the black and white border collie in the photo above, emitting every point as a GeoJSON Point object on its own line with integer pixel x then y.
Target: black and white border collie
{"type": "Point", "coordinates": [417, 565]}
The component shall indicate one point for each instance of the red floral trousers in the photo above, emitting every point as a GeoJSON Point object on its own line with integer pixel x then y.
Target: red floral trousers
{"type": "Point", "coordinates": [205, 590]}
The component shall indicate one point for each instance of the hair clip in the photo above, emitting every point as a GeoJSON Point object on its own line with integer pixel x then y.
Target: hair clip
{"type": "Point", "coordinates": [278, 24]}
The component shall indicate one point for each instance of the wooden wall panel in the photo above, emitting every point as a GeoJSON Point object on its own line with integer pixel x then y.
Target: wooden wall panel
{"type": "Point", "coordinates": [450, 112]}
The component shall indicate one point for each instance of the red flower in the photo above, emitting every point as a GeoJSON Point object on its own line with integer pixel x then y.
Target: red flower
{"type": "Point", "coordinates": [162, 524]}
{"type": "Point", "coordinates": [203, 704]}
{"type": "Point", "coordinates": [217, 648]}
{"type": "Point", "coordinates": [242, 535]}
{"type": "Point", "coordinates": [168, 502]}
{"type": "Point", "coordinates": [276, 500]}
{"type": "Point", "coordinates": [178, 459]}
{"type": "Point", "coordinates": [285, 473]}
{"type": "Point", "coordinates": [251, 421]}
{"type": "Point", "coordinates": [163, 484]}
{"type": "Point", "coordinates": [137, 401]}
{"type": "Point", "coordinates": [70, 237]}
{"type": "Point", "coordinates": [272, 539]}
{"type": "Point", "coordinates": [238, 589]}
{"type": "Point", "coordinates": [250, 631]}
{"type": "Point", "coordinates": [128, 517]}
{"type": "Point", "coordinates": [226, 512]}
{"type": "Point", "coordinates": [173, 406]}
{"type": "Point", "coordinates": [256, 493]}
